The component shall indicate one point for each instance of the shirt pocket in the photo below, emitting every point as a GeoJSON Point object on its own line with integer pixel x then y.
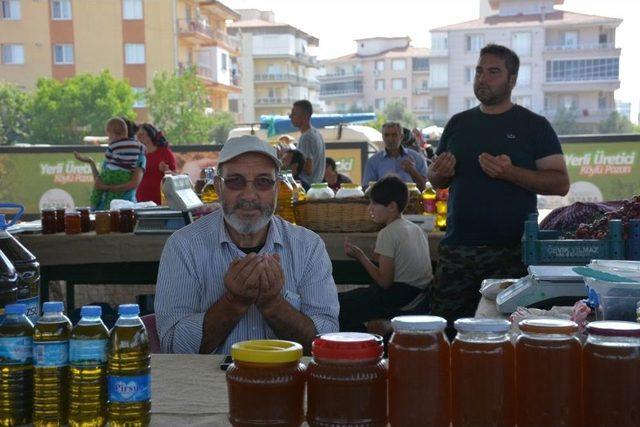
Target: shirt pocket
{"type": "Point", "coordinates": [292, 298]}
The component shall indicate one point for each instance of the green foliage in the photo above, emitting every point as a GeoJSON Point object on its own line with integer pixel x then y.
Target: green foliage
{"type": "Point", "coordinates": [396, 111]}
{"type": "Point", "coordinates": [14, 105]}
{"type": "Point", "coordinates": [565, 122]}
{"type": "Point", "coordinates": [65, 112]}
{"type": "Point", "coordinates": [222, 123]}
{"type": "Point", "coordinates": [616, 123]}
{"type": "Point", "coordinates": [177, 103]}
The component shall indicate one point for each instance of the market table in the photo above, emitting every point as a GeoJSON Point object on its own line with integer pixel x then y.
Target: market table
{"type": "Point", "coordinates": [125, 259]}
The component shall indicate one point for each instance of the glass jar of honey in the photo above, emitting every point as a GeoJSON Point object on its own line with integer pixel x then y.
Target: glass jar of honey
{"type": "Point", "coordinates": [611, 365]}
{"type": "Point", "coordinates": [419, 367]}
{"type": "Point", "coordinates": [60, 219]}
{"type": "Point", "coordinates": [483, 374]}
{"type": "Point", "coordinates": [265, 383]}
{"type": "Point", "coordinates": [85, 219]}
{"type": "Point", "coordinates": [126, 220]}
{"type": "Point", "coordinates": [548, 373]}
{"type": "Point", "coordinates": [347, 381]}
{"type": "Point", "coordinates": [115, 221]}
{"type": "Point", "coordinates": [72, 222]}
{"type": "Point", "coordinates": [103, 222]}
{"type": "Point", "coordinates": [48, 220]}
{"type": "Point", "coordinates": [414, 204]}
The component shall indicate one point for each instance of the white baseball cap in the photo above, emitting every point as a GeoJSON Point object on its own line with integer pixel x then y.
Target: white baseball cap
{"type": "Point", "coordinates": [236, 146]}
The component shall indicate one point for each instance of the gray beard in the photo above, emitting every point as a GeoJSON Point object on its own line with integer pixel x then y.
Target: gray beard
{"type": "Point", "coordinates": [247, 227]}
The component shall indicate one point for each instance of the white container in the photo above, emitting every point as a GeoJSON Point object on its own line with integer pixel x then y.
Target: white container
{"type": "Point", "coordinates": [618, 300]}
{"type": "Point", "coordinates": [320, 191]}
{"type": "Point", "coordinates": [426, 222]}
{"type": "Point", "coordinates": [349, 190]}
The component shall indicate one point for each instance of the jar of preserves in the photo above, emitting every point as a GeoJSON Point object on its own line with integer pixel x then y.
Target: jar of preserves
{"type": "Point", "coordinates": [611, 364]}
{"type": "Point", "coordinates": [126, 220]}
{"type": "Point", "coordinates": [548, 373]}
{"type": "Point", "coordinates": [419, 367]}
{"type": "Point", "coordinates": [48, 220]}
{"type": "Point", "coordinates": [265, 384]}
{"type": "Point", "coordinates": [60, 219]}
{"type": "Point", "coordinates": [72, 222]}
{"type": "Point", "coordinates": [85, 219]}
{"type": "Point", "coordinates": [414, 204]}
{"type": "Point", "coordinates": [115, 221]}
{"type": "Point", "coordinates": [483, 374]}
{"type": "Point", "coordinates": [320, 191]}
{"type": "Point", "coordinates": [349, 190]}
{"type": "Point", "coordinates": [103, 222]}
{"type": "Point", "coordinates": [347, 381]}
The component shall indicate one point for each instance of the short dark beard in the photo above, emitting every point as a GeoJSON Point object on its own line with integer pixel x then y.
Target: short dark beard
{"type": "Point", "coordinates": [492, 98]}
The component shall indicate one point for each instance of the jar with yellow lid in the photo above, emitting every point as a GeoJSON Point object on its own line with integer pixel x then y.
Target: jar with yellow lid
{"type": "Point", "coordinates": [266, 383]}
{"type": "Point", "coordinates": [349, 190]}
{"type": "Point", "coordinates": [414, 205]}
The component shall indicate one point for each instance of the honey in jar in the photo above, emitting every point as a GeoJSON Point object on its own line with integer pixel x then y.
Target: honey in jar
{"type": "Point", "coordinates": [265, 384]}
{"type": "Point", "coordinates": [72, 223]}
{"type": "Point", "coordinates": [115, 221]}
{"type": "Point", "coordinates": [483, 374]}
{"type": "Point", "coordinates": [103, 222]}
{"type": "Point", "coordinates": [48, 220]}
{"type": "Point", "coordinates": [126, 220]}
{"type": "Point", "coordinates": [60, 212]}
{"type": "Point", "coordinates": [548, 374]}
{"type": "Point", "coordinates": [85, 220]}
{"type": "Point", "coordinates": [414, 204]}
{"type": "Point", "coordinates": [419, 372]}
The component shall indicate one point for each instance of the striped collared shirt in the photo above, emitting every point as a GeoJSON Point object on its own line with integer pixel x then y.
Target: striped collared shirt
{"type": "Point", "coordinates": [191, 279]}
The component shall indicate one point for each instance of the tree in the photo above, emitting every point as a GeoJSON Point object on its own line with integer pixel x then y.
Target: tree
{"type": "Point", "coordinates": [222, 123]}
{"type": "Point", "coordinates": [178, 103]}
{"type": "Point", "coordinates": [13, 114]}
{"type": "Point", "coordinates": [65, 112]}
{"type": "Point", "coordinates": [396, 111]}
{"type": "Point", "coordinates": [565, 122]}
{"type": "Point", "coordinates": [617, 123]}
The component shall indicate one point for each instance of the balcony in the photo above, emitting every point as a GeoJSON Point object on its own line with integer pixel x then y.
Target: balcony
{"type": "Point", "coordinates": [195, 31]}
{"type": "Point", "coordinates": [276, 78]}
{"type": "Point", "coordinates": [341, 75]}
{"type": "Point", "coordinates": [232, 42]}
{"type": "Point", "coordinates": [421, 90]}
{"type": "Point", "coordinates": [274, 102]}
{"type": "Point", "coordinates": [307, 59]}
{"type": "Point", "coordinates": [339, 93]}
{"type": "Point", "coordinates": [417, 70]}
{"type": "Point", "coordinates": [579, 47]}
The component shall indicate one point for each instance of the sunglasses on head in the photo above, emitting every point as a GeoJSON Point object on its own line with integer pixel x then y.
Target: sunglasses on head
{"type": "Point", "coordinates": [239, 182]}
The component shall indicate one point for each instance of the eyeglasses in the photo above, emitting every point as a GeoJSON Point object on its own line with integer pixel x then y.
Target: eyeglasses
{"type": "Point", "coordinates": [239, 182]}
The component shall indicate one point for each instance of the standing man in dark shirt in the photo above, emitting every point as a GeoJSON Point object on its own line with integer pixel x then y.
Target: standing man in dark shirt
{"type": "Point", "coordinates": [494, 158]}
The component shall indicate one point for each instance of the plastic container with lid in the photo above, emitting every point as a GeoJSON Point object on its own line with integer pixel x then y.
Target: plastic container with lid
{"type": "Point", "coordinates": [265, 383]}
{"type": "Point", "coordinates": [483, 374]}
{"type": "Point", "coordinates": [320, 191]}
{"type": "Point", "coordinates": [347, 381]}
{"type": "Point", "coordinates": [548, 373]}
{"type": "Point", "coordinates": [611, 365]}
{"type": "Point", "coordinates": [349, 190]}
{"type": "Point", "coordinates": [419, 367]}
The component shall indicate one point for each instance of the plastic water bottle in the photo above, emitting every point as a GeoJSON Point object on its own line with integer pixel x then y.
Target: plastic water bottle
{"type": "Point", "coordinates": [51, 366]}
{"type": "Point", "coordinates": [16, 367]}
{"type": "Point", "coordinates": [129, 371]}
{"type": "Point", "coordinates": [88, 370]}
{"type": "Point", "coordinates": [8, 284]}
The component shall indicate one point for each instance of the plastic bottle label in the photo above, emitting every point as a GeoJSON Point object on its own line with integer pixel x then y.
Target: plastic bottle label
{"type": "Point", "coordinates": [129, 389]}
{"type": "Point", "coordinates": [429, 206]}
{"type": "Point", "coordinates": [16, 350]}
{"type": "Point", "coordinates": [81, 351]}
{"type": "Point", "coordinates": [33, 308]}
{"type": "Point", "coordinates": [51, 354]}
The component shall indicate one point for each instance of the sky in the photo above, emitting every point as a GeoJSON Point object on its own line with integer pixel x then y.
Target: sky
{"type": "Point", "coordinates": [336, 23]}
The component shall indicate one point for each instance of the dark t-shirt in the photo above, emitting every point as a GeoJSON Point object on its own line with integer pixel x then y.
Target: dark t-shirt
{"type": "Point", "coordinates": [483, 210]}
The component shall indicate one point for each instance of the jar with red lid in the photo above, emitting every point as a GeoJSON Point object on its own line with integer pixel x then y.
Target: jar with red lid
{"type": "Point", "coordinates": [72, 222]}
{"type": "Point", "coordinates": [548, 374]}
{"type": "Point", "coordinates": [48, 220]}
{"type": "Point", "coordinates": [60, 212]}
{"type": "Point", "coordinates": [85, 219]}
{"type": "Point", "coordinates": [347, 381]}
{"type": "Point", "coordinates": [611, 374]}
{"type": "Point", "coordinates": [419, 367]}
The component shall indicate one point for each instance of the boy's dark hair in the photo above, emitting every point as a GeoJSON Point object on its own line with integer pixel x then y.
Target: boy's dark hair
{"type": "Point", "coordinates": [511, 60]}
{"type": "Point", "coordinates": [328, 161]}
{"type": "Point", "coordinates": [390, 189]}
{"type": "Point", "coordinates": [297, 158]}
{"type": "Point", "coordinates": [305, 106]}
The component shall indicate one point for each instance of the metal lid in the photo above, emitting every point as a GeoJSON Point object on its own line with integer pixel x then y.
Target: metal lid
{"type": "Point", "coordinates": [470, 324]}
{"type": "Point", "coordinates": [614, 329]}
{"type": "Point", "coordinates": [418, 324]}
{"type": "Point", "coordinates": [347, 346]}
{"type": "Point", "coordinates": [548, 326]}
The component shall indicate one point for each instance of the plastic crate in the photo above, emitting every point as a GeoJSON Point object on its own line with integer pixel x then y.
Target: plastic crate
{"type": "Point", "coordinates": [616, 300]}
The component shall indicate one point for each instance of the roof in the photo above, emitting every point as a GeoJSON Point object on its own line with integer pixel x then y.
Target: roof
{"type": "Point", "coordinates": [259, 24]}
{"type": "Point", "coordinates": [225, 11]}
{"type": "Point", "coordinates": [408, 52]}
{"type": "Point", "coordinates": [557, 18]}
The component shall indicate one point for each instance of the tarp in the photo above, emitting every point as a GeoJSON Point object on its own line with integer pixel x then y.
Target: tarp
{"type": "Point", "coordinates": [282, 124]}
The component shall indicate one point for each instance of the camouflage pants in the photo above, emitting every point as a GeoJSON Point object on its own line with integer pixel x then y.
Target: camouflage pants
{"type": "Point", "coordinates": [461, 270]}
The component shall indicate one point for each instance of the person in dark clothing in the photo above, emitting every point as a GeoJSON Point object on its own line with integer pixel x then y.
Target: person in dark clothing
{"type": "Point", "coordinates": [332, 177]}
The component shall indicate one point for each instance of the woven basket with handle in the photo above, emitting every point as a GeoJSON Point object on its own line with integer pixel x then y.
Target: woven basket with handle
{"type": "Point", "coordinates": [347, 215]}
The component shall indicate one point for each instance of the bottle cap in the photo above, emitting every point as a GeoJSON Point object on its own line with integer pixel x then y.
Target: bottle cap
{"type": "Point", "coordinates": [266, 351]}
{"type": "Point", "coordinates": [548, 326]}
{"type": "Point", "coordinates": [128, 309]}
{"type": "Point", "coordinates": [614, 329]}
{"type": "Point", "coordinates": [53, 307]}
{"type": "Point", "coordinates": [91, 311]}
{"type": "Point", "coordinates": [418, 324]}
{"type": "Point", "coordinates": [15, 309]}
{"type": "Point", "coordinates": [470, 324]}
{"type": "Point", "coordinates": [347, 346]}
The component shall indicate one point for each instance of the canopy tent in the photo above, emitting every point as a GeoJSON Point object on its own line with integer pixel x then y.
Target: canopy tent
{"type": "Point", "coordinates": [282, 124]}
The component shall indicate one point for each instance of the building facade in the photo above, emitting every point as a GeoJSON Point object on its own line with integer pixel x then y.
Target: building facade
{"type": "Point", "coordinates": [277, 68]}
{"type": "Point", "coordinates": [133, 39]}
{"type": "Point", "coordinates": [569, 61]}
{"type": "Point", "coordinates": [382, 70]}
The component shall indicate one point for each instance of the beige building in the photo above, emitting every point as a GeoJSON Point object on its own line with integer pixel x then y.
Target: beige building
{"type": "Point", "coordinates": [277, 68]}
{"type": "Point", "coordinates": [382, 69]}
{"type": "Point", "coordinates": [133, 39]}
{"type": "Point", "coordinates": [568, 60]}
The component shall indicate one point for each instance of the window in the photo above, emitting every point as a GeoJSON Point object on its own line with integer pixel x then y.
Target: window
{"type": "Point", "coordinates": [380, 84]}
{"type": "Point", "coordinates": [569, 102]}
{"type": "Point", "coordinates": [570, 39]}
{"type": "Point", "coordinates": [398, 64]}
{"type": "Point", "coordinates": [469, 74]}
{"type": "Point", "coordinates": [574, 70]}
{"type": "Point", "coordinates": [132, 9]}
{"type": "Point", "coordinates": [63, 54]}
{"type": "Point", "coordinates": [398, 84]}
{"type": "Point", "coordinates": [224, 62]}
{"type": "Point", "coordinates": [471, 103]}
{"type": "Point", "coordinates": [524, 76]}
{"type": "Point", "coordinates": [379, 65]}
{"type": "Point", "coordinates": [602, 101]}
{"type": "Point", "coordinates": [140, 94]}
{"type": "Point", "coordinates": [439, 75]}
{"type": "Point", "coordinates": [134, 53]}
{"type": "Point", "coordinates": [380, 104]}
{"type": "Point", "coordinates": [524, 101]}
{"type": "Point", "coordinates": [439, 42]}
{"type": "Point", "coordinates": [475, 42]}
{"type": "Point", "coordinates": [12, 54]}
{"type": "Point", "coordinates": [10, 9]}
{"type": "Point", "coordinates": [521, 43]}
{"type": "Point", "coordinates": [420, 64]}
{"type": "Point", "coordinates": [61, 9]}
{"type": "Point", "coordinates": [603, 39]}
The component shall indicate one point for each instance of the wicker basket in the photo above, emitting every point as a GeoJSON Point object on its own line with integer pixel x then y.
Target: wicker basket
{"type": "Point", "coordinates": [348, 215]}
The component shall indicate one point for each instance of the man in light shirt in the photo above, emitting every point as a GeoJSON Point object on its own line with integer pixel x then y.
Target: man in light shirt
{"type": "Point", "coordinates": [242, 273]}
{"type": "Point", "coordinates": [310, 143]}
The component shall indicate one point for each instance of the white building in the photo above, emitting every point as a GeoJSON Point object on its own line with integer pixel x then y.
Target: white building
{"type": "Point", "coordinates": [567, 60]}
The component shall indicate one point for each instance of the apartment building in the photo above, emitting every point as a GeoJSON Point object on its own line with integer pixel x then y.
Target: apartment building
{"type": "Point", "coordinates": [277, 66]}
{"type": "Point", "coordinates": [568, 60]}
{"type": "Point", "coordinates": [133, 39]}
{"type": "Point", "coordinates": [381, 70]}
